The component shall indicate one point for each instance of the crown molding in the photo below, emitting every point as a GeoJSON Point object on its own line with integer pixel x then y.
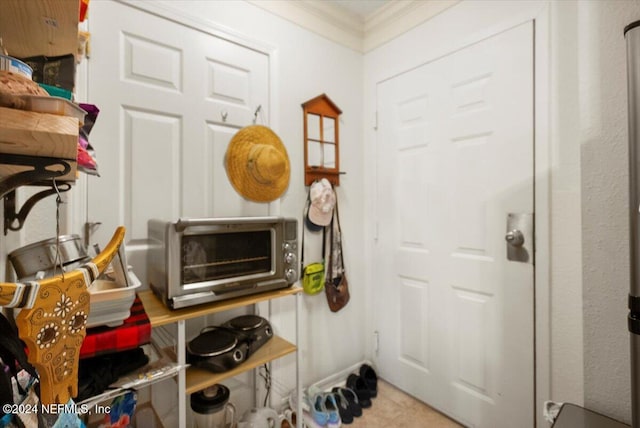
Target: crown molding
{"type": "Point", "coordinates": [350, 30]}
{"type": "Point", "coordinates": [398, 17]}
{"type": "Point", "coordinates": [320, 17]}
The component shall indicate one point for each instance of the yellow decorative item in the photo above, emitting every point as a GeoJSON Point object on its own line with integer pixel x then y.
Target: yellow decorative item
{"type": "Point", "coordinates": [257, 164]}
{"type": "Point", "coordinates": [52, 322]}
{"type": "Point", "coordinates": [313, 278]}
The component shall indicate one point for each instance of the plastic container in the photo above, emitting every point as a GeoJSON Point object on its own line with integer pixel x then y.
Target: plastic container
{"type": "Point", "coordinates": [110, 302]}
{"type": "Point", "coordinates": [54, 91]}
{"type": "Point", "coordinates": [54, 105]}
{"type": "Point", "coordinates": [14, 65]}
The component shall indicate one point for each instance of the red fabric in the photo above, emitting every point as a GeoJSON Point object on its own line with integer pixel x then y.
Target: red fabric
{"type": "Point", "coordinates": [134, 332]}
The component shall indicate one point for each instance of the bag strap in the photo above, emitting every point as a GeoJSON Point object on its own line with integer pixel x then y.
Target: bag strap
{"type": "Point", "coordinates": [12, 349]}
{"type": "Point", "coordinates": [6, 388]}
{"type": "Point", "coordinates": [335, 244]}
{"type": "Point", "coordinates": [336, 216]}
{"type": "Point", "coordinates": [326, 250]}
{"type": "Point", "coordinates": [305, 210]}
{"type": "Point", "coordinates": [337, 260]}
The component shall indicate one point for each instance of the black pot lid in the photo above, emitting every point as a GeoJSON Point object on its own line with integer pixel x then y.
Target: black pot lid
{"type": "Point", "coordinates": [210, 400]}
{"type": "Point", "coordinates": [213, 342]}
{"type": "Point", "coordinates": [246, 322]}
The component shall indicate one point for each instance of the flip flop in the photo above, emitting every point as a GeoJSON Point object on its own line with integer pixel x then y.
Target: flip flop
{"type": "Point", "coordinates": [349, 396]}
{"type": "Point", "coordinates": [330, 406]}
{"type": "Point", "coordinates": [343, 407]}
{"type": "Point", "coordinates": [319, 411]}
{"type": "Point", "coordinates": [368, 374]}
{"type": "Point", "coordinates": [357, 384]}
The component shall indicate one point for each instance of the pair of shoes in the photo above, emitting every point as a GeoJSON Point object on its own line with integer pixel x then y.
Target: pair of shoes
{"type": "Point", "coordinates": [370, 379]}
{"type": "Point", "coordinates": [331, 407]}
{"type": "Point", "coordinates": [357, 385]}
{"type": "Point", "coordinates": [324, 410]}
{"type": "Point", "coordinates": [348, 404]}
{"type": "Point", "coordinates": [364, 384]}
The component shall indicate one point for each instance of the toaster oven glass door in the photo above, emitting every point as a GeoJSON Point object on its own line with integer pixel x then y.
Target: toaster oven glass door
{"type": "Point", "coordinates": [216, 256]}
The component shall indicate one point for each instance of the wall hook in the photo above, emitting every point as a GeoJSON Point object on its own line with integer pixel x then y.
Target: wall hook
{"type": "Point", "coordinates": [255, 114]}
{"type": "Point", "coordinates": [224, 115]}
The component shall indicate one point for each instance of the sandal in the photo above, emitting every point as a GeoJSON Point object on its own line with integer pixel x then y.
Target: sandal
{"type": "Point", "coordinates": [343, 408]}
{"type": "Point", "coordinates": [330, 406]}
{"type": "Point", "coordinates": [368, 374]}
{"type": "Point", "coordinates": [357, 384]}
{"type": "Point", "coordinates": [318, 411]}
{"type": "Point", "coordinates": [349, 397]}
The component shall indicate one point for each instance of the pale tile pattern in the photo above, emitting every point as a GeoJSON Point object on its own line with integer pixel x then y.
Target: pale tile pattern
{"type": "Point", "coordinates": [394, 408]}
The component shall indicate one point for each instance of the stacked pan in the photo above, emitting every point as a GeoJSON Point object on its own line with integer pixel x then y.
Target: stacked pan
{"type": "Point", "coordinates": [38, 260]}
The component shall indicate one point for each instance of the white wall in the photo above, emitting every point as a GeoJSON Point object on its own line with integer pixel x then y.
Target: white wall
{"type": "Point", "coordinates": [602, 132]}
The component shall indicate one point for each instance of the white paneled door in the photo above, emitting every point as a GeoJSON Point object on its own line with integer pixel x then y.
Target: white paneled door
{"type": "Point", "coordinates": [170, 96]}
{"type": "Point", "coordinates": [455, 157]}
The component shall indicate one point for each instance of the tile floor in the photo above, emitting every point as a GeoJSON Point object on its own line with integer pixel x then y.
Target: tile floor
{"type": "Point", "coordinates": [394, 408]}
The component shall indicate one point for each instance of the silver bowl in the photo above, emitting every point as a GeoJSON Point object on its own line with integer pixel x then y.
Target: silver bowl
{"type": "Point", "coordinates": [40, 256]}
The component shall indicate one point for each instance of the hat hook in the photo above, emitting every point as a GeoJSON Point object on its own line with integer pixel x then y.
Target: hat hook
{"type": "Point", "coordinates": [255, 114]}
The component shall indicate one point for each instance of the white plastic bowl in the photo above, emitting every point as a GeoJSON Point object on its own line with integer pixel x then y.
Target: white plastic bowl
{"type": "Point", "coordinates": [110, 302]}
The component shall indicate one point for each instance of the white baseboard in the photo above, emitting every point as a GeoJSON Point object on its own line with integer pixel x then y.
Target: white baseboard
{"type": "Point", "coordinates": [337, 379]}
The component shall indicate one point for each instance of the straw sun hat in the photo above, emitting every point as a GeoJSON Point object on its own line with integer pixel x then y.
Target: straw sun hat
{"type": "Point", "coordinates": [257, 164]}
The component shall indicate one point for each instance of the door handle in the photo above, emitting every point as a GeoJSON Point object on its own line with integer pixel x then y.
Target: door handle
{"type": "Point", "coordinates": [519, 237]}
{"type": "Point", "coordinates": [515, 237]}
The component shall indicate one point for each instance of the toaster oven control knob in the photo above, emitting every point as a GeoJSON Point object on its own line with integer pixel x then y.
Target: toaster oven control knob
{"type": "Point", "coordinates": [289, 258]}
{"type": "Point", "coordinates": [291, 275]}
{"type": "Point", "coordinates": [288, 246]}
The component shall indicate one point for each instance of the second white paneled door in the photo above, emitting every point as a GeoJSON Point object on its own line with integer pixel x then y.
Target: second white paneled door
{"type": "Point", "coordinates": [455, 157]}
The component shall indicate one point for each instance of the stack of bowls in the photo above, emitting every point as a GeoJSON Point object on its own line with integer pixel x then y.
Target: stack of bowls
{"type": "Point", "coordinates": [111, 302]}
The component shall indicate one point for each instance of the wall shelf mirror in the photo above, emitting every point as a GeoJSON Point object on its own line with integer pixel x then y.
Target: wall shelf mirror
{"type": "Point", "coordinates": [321, 140]}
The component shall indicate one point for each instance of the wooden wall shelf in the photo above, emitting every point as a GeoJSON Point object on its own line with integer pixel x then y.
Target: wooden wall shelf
{"type": "Point", "coordinates": [39, 135]}
{"type": "Point", "coordinates": [36, 148]}
{"type": "Point", "coordinates": [33, 28]}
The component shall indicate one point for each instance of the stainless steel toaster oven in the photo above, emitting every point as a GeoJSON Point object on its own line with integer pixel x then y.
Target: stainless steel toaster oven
{"type": "Point", "coordinates": [199, 260]}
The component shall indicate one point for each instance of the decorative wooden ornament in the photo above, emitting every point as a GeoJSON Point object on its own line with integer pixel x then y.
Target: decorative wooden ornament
{"type": "Point", "coordinates": [53, 321]}
{"type": "Point", "coordinates": [321, 140]}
